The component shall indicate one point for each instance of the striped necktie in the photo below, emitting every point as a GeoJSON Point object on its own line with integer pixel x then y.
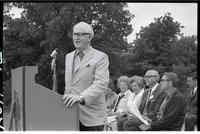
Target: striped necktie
{"type": "Point", "coordinates": [80, 54]}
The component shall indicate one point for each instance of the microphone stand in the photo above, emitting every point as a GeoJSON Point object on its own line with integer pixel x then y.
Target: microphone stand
{"type": "Point", "coordinates": [53, 67]}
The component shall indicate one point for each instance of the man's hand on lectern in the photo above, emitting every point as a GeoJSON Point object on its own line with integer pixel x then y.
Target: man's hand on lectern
{"type": "Point", "coordinates": [70, 99]}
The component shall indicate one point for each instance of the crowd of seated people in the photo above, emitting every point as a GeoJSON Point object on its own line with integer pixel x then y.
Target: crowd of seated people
{"type": "Point", "coordinates": [152, 103]}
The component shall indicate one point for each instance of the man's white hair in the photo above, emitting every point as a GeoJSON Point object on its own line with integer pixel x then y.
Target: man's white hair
{"type": "Point", "coordinates": [153, 73]}
{"type": "Point", "coordinates": [85, 27]}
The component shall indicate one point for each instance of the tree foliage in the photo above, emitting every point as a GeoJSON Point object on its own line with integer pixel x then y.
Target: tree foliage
{"type": "Point", "coordinates": [162, 47]}
{"type": "Point", "coordinates": [29, 40]}
{"type": "Point", "coordinates": [155, 42]}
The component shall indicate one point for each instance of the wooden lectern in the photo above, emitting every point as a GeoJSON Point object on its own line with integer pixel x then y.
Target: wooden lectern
{"type": "Point", "coordinates": [36, 108]}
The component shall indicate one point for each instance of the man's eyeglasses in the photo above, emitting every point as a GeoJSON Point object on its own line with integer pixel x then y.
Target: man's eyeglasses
{"type": "Point", "coordinates": [164, 80]}
{"type": "Point", "coordinates": [80, 34]}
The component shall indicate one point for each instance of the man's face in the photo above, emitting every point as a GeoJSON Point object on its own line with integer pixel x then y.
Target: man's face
{"type": "Point", "coordinates": [165, 82]}
{"type": "Point", "coordinates": [150, 79]}
{"type": "Point", "coordinates": [191, 83]}
{"type": "Point", "coordinates": [81, 38]}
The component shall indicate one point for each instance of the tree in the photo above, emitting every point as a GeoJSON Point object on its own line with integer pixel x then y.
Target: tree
{"type": "Point", "coordinates": [158, 47]}
{"type": "Point", "coordinates": [30, 39]}
{"type": "Point", "coordinates": [186, 51]}
{"type": "Point", "coordinates": [185, 58]}
{"type": "Point", "coordinates": [155, 42]}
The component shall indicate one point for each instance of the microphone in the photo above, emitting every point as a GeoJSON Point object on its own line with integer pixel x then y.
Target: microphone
{"type": "Point", "coordinates": [54, 53]}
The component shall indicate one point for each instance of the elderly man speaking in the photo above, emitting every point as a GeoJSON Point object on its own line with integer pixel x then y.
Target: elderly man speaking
{"type": "Point", "coordinates": [86, 79]}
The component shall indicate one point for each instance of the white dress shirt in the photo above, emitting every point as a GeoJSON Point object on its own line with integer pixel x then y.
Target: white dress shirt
{"type": "Point", "coordinates": [134, 100]}
{"type": "Point", "coordinates": [195, 89]}
{"type": "Point", "coordinates": [122, 105]}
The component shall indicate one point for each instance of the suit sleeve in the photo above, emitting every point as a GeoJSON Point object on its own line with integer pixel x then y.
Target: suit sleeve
{"type": "Point", "coordinates": [173, 110]}
{"type": "Point", "coordinates": [192, 105]}
{"type": "Point", "coordinates": [101, 79]}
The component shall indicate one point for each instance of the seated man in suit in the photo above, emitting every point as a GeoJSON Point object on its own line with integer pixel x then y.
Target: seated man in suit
{"type": "Point", "coordinates": [191, 101]}
{"type": "Point", "coordinates": [171, 112]}
{"type": "Point", "coordinates": [147, 108]}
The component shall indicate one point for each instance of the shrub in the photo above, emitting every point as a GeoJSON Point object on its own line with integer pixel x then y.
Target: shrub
{"type": "Point", "coordinates": [7, 93]}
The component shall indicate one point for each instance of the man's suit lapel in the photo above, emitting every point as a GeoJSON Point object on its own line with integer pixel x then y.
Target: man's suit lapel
{"type": "Point", "coordinates": [144, 99]}
{"type": "Point", "coordinates": [148, 100]}
{"type": "Point", "coordinates": [156, 92]}
{"type": "Point", "coordinates": [85, 59]}
{"type": "Point", "coordinates": [151, 102]}
{"type": "Point", "coordinates": [70, 65]}
{"type": "Point", "coordinates": [188, 94]}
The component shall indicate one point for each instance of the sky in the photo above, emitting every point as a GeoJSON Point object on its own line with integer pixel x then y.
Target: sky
{"type": "Point", "coordinates": [184, 13]}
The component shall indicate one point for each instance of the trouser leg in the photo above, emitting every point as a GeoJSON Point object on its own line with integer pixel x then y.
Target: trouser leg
{"type": "Point", "coordinates": [90, 128]}
{"type": "Point", "coordinates": [132, 125]}
{"type": "Point", "coordinates": [189, 123]}
{"type": "Point", "coordinates": [120, 123]}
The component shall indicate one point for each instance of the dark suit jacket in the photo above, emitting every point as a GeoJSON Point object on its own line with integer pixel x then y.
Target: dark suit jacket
{"type": "Point", "coordinates": [186, 92]}
{"type": "Point", "coordinates": [154, 103]}
{"type": "Point", "coordinates": [173, 115]}
{"type": "Point", "coordinates": [191, 102]}
{"type": "Point", "coordinates": [143, 101]}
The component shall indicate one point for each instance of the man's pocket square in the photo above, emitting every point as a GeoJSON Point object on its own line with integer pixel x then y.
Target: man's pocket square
{"type": "Point", "coordinates": [88, 65]}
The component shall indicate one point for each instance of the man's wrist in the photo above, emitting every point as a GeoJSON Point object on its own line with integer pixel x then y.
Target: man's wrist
{"type": "Point", "coordinates": [82, 100]}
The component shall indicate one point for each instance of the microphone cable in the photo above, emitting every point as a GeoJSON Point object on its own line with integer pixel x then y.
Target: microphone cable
{"type": "Point", "coordinates": [47, 77]}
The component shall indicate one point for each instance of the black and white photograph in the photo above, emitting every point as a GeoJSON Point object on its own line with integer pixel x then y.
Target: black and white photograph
{"type": "Point", "coordinates": [99, 66]}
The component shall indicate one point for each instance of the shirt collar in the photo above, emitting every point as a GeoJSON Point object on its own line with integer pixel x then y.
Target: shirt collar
{"type": "Point", "coordinates": [169, 90]}
{"type": "Point", "coordinates": [195, 89]}
{"type": "Point", "coordinates": [85, 51]}
{"type": "Point", "coordinates": [154, 87]}
{"type": "Point", "coordinates": [125, 93]}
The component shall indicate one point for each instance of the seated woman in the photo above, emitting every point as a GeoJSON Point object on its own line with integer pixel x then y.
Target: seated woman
{"type": "Point", "coordinates": [134, 100]}
{"type": "Point", "coordinates": [120, 105]}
